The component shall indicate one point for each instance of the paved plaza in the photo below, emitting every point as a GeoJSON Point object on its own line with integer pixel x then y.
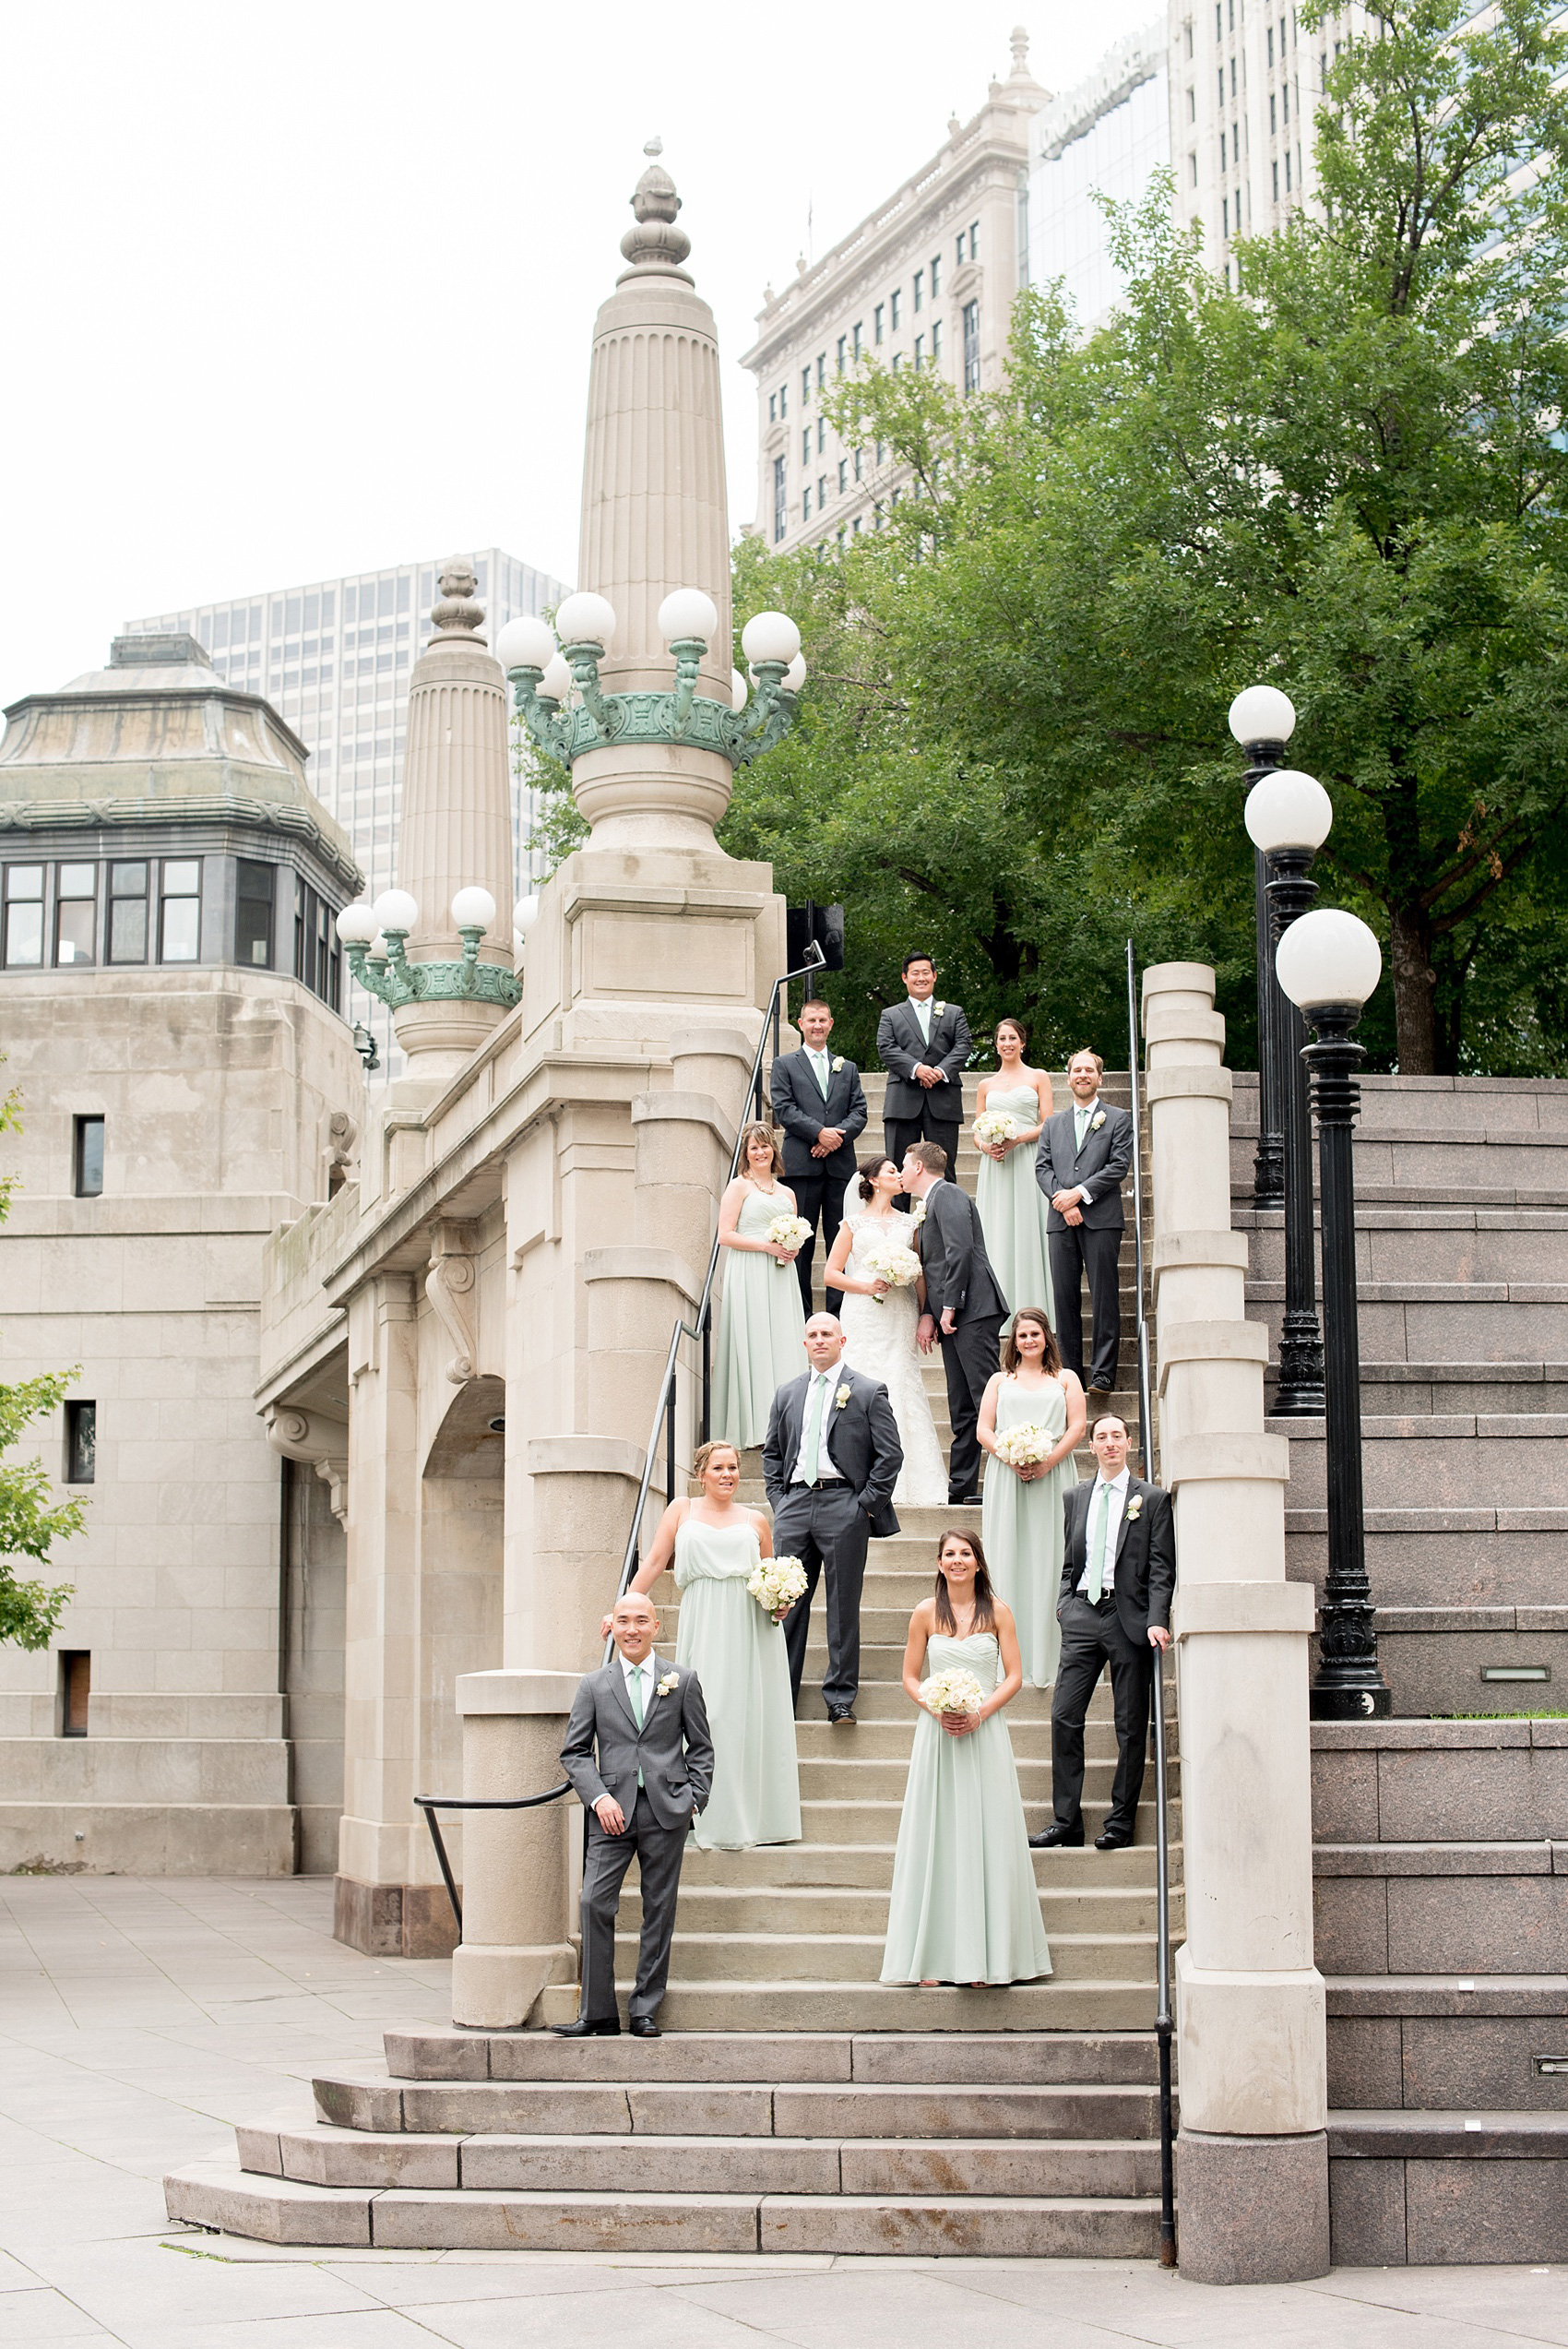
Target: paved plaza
{"type": "Point", "coordinates": [142, 2018]}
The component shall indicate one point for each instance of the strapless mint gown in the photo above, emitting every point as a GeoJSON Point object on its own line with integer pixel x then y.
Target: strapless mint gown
{"type": "Point", "coordinates": [761, 1326]}
{"type": "Point", "coordinates": [1024, 1530]}
{"type": "Point", "coordinates": [738, 1653]}
{"type": "Point", "coordinates": [964, 1905]}
{"type": "Point", "coordinates": [1012, 1212]}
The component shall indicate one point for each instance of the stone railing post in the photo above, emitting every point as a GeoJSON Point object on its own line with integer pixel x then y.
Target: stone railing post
{"type": "Point", "coordinates": [516, 1865]}
{"type": "Point", "coordinates": [1253, 2156]}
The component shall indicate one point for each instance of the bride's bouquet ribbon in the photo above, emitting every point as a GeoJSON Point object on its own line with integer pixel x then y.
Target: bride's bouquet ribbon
{"type": "Point", "coordinates": [775, 1583]}
{"type": "Point", "coordinates": [956, 1690]}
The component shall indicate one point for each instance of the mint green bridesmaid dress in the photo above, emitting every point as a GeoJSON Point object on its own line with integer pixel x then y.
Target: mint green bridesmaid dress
{"type": "Point", "coordinates": [761, 1326]}
{"type": "Point", "coordinates": [964, 1906]}
{"type": "Point", "coordinates": [1012, 1212]}
{"type": "Point", "coordinates": [1024, 1529]}
{"type": "Point", "coordinates": [738, 1654]}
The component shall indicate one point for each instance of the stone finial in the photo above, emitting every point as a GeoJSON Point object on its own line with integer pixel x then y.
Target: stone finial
{"type": "Point", "coordinates": [656, 243]}
{"type": "Point", "coordinates": [954, 125]}
{"type": "Point", "coordinates": [457, 615]}
{"type": "Point", "coordinates": [1020, 38]}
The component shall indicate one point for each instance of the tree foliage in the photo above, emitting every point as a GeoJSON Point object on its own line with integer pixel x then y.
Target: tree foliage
{"type": "Point", "coordinates": [32, 1522]}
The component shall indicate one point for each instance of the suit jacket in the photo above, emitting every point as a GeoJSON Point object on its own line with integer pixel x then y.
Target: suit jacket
{"type": "Point", "coordinates": [673, 1749]}
{"type": "Point", "coordinates": [799, 1106]}
{"type": "Point", "coordinates": [957, 1270]}
{"type": "Point", "coordinates": [863, 1443]}
{"type": "Point", "coordinates": [1102, 1163]}
{"type": "Point", "coordinates": [900, 1046]}
{"type": "Point", "coordinates": [1145, 1554]}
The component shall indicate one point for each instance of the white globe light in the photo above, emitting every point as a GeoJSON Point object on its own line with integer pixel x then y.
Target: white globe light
{"type": "Point", "coordinates": [525, 643]}
{"type": "Point", "coordinates": [1328, 957]}
{"type": "Point", "coordinates": [557, 682]}
{"type": "Point", "coordinates": [473, 909]}
{"type": "Point", "coordinates": [688, 612]}
{"type": "Point", "coordinates": [1263, 714]}
{"type": "Point", "coordinates": [395, 910]}
{"type": "Point", "coordinates": [356, 925]}
{"type": "Point", "coordinates": [1289, 809]}
{"type": "Point", "coordinates": [794, 676]}
{"type": "Point", "coordinates": [586, 619]}
{"type": "Point", "coordinates": [523, 914]}
{"type": "Point", "coordinates": [770, 635]}
{"type": "Point", "coordinates": [738, 690]}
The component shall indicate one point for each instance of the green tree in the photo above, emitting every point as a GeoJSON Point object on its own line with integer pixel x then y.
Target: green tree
{"type": "Point", "coordinates": [30, 1521]}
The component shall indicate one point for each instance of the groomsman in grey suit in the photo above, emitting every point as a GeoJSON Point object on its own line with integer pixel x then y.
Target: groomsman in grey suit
{"type": "Point", "coordinates": [830, 1460]}
{"type": "Point", "coordinates": [964, 1307]}
{"type": "Point", "coordinates": [923, 1045]}
{"type": "Point", "coordinates": [1081, 1163]}
{"type": "Point", "coordinates": [652, 1775]}
{"type": "Point", "coordinates": [820, 1105]}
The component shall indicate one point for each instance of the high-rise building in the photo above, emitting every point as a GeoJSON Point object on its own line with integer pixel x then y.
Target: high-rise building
{"type": "Point", "coordinates": [1107, 138]}
{"type": "Point", "coordinates": [333, 658]}
{"type": "Point", "coordinates": [1243, 92]}
{"type": "Point", "coordinates": [928, 279]}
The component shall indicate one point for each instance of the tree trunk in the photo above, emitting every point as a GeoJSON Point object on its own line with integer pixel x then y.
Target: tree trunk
{"type": "Point", "coordinates": [1415, 982]}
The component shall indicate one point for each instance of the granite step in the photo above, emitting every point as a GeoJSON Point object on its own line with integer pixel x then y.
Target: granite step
{"type": "Point", "coordinates": [837, 1909]}
{"type": "Point", "coordinates": [888, 2058]}
{"type": "Point", "coordinates": [737, 1958]}
{"type": "Point", "coordinates": [869, 1867]}
{"type": "Point", "coordinates": [832, 2006]}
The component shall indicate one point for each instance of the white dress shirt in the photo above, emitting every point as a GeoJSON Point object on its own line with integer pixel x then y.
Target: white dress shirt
{"type": "Point", "coordinates": [1082, 1113]}
{"type": "Point", "coordinates": [1117, 1486]}
{"type": "Point", "coordinates": [802, 1474]}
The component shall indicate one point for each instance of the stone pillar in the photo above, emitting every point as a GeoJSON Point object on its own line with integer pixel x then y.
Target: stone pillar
{"type": "Point", "coordinates": [1253, 2158]}
{"type": "Point", "coordinates": [516, 1872]}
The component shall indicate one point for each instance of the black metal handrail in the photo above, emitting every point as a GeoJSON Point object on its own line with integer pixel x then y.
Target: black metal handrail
{"type": "Point", "coordinates": [1162, 2020]}
{"type": "Point", "coordinates": [664, 1410]}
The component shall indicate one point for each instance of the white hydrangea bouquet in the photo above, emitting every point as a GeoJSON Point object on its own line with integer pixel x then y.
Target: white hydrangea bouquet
{"type": "Point", "coordinates": [790, 1232]}
{"type": "Point", "coordinates": [775, 1584]}
{"type": "Point", "coordinates": [996, 1126]}
{"type": "Point", "coordinates": [1023, 1446]}
{"type": "Point", "coordinates": [891, 1261]}
{"type": "Point", "coordinates": [956, 1691]}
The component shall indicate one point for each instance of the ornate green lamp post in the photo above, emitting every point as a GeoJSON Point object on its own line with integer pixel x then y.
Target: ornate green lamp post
{"type": "Point", "coordinates": [375, 937]}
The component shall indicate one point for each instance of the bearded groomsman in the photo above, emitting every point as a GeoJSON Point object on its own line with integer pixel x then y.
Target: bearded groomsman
{"type": "Point", "coordinates": [923, 1045]}
{"type": "Point", "coordinates": [1081, 1163]}
{"type": "Point", "coordinates": [820, 1105]}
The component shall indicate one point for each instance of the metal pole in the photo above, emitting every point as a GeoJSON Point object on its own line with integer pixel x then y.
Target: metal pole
{"type": "Point", "coordinates": [1269, 1164]}
{"type": "Point", "coordinates": [1146, 1411]}
{"type": "Point", "coordinates": [1349, 1683]}
{"type": "Point", "coordinates": [1162, 2023]}
{"type": "Point", "coordinates": [1301, 1391]}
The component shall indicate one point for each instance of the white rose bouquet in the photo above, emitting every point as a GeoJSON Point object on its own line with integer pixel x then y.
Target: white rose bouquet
{"type": "Point", "coordinates": [1023, 1446]}
{"type": "Point", "coordinates": [889, 1260]}
{"type": "Point", "coordinates": [956, 1691]}
{"type": "Point", "coordinates": [993, 1126]}
{"type": "Point", "coordinates": [790, 1232]}
{"type": "Point", "coordinates": [775, 1584]}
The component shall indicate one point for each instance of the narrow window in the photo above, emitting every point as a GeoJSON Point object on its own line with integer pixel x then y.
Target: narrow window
{"type": "Point", "coordinates": [86, 1158]}
{"type": "Point", "coordinates": [877, 317]}
{"type": "Point", "coordinates": [920, 352]}
{"type": "Point", "coordinates": [919, 289]}
{"type": "Point", "coordinates": [935, 342]}
{"type": "Point", "coordinates": [81, 1443]}
{"type": "Point", "coordinates": [1269, 38]}
{"type": "Point", "coordinates": [821, 435]}
{"type": "Point", "coordinates": [821, 369]}
{"type": "Point", "coordinates": [780, 500]}
{"type": "Point", "coordinates": [895, 307]}
{"type": "Point", "coordinates": [76, 1687]}
{"type": "Point", "coordinates": [936, 275]}
{"type": "Point", "coordinates": [75, 913]}
{"type": "Point", "coordinates": [821, 491]}
{"type": "Point", "coordinates": [1275, 169]}
{"type": "Point", "coordinates": [1192, 166]}
{"type": "Point", "coordinates": [783, 399]}
{"type": "Point", "coordinates": [806, 506]}
{"type": "Point", "coordinates": [180, 925]}
{"type": "Point", "coordinates": [805, 386]}
{"type": "Point", "coordinates": [253, 913]}
{"type": "Point", "coordinates": [773, 407]}
{"type": "Point", "coordinates": [971, 346]}
{"type": "Point", "coordinates": [843, 475]}
{"type": "Point", "coordinates": [859, 340]}
{"type": "Point", "coordinates": [806, 444]}
{"type": "Point", "coordinates": [858, 454]}
{"type": "Point", "coordinates": [1286, 171]}
{"type": "Point", "coordinates": [974, 240]}
{"type": "Point", "coordinates": [24, 915]}
{"type": "Point", "coordinates": [1273, 124]}
{"type": "Point", "coordinates": [842, 348]}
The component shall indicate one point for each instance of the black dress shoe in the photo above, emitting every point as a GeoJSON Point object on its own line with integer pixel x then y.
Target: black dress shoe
{"type": "Point", "coordinates": [1058, 1838]}
{"type": "Point", "coordinates": [841, 1716]}
{"type": "Point", "coordinates": [585, 2029]}
{"type": "Point", "coordinates": [645, 2027]}
{"type": "Point", "coordinates": [966, 1501]}
{"type": "Point", "coordinates": [1109, 1842]}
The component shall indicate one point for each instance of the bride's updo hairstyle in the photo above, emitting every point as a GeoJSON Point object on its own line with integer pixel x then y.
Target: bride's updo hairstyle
{"type": "Point", "coordinates": [1051, 1362]}
{"type": "Point", "coordinates": [985, 1598]}
{"type": "Point", "coordinates": [870, 1169]}
{"type": "Point", "coordinates": [702, 1460]}
{"type": "Point", "coordinates": [1018, 1029]}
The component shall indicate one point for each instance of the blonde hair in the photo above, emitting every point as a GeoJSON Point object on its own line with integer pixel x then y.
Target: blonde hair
{"type": "Point", "coordinates": [703, 1456]}
{"type": "Point", "coordinates": [748, 1135]}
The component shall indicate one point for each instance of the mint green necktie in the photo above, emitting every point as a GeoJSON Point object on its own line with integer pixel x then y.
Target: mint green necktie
{"type": "Point", "coordinates": [1097, 1546]}
{"type": "Point", "coordinates": [814, 1409]}
{"type": "Point", "coordinates": [637, 1704]}
{"type": "Point", "coordinates": [1080, 1119]}
{"type": "Point", "coordinates": [819, 1070]}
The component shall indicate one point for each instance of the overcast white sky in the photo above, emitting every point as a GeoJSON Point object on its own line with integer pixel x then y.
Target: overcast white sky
{"type": "Point", "coordinates": [299, 289]}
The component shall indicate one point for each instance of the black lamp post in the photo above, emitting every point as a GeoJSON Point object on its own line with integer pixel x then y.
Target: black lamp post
{"type": "Point", "coordinates": [1288, 817]}
{"type": "Point", "coordinates": [1328, 964]}
{"type": "Point", "coordinates": [1262, 719]}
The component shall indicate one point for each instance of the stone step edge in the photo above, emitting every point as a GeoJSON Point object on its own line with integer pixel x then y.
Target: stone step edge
{"type": "Point", "coordinates": [1423, 2136]}
{"type": "Point", "coordinates": [1416, 1995]}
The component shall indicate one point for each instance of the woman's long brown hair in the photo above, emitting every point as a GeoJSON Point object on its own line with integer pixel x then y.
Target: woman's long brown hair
{"type": "Point", "coordinates": [985, 1598]}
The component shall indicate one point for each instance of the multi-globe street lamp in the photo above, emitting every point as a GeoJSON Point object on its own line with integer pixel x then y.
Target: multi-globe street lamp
{"type": "Point", "coordinates": [1262, 720]}
{"type": "Point", "coordinates": [1328, 963]}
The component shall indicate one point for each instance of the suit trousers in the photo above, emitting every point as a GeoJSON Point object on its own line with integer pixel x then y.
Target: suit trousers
{"type": "Point", "coordinates": [934, 1125]}
{"type": "Point", "coordinates": [970, 1358]}
{"type": "Point", "coordinates": [658, 1851]}
{"type": "Point", "coordinates": [817, 1195]}
{"type": "Point", "coordinates": [1093, 1639]}
{"type": "Point", "coordinates": [1074, 1252]}
{"type": "Point", "coordinates": [823, 1525]}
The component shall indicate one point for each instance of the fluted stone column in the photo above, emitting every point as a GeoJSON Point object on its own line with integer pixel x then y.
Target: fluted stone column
{"type": "Point", "coordinates": [1252, 2161]}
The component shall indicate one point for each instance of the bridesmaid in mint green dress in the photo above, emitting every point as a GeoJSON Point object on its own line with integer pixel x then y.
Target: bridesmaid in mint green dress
{"type": "Point", "coordinates": [738, 1653]}
{"type": "Point", "coordinates": [1023, 1522]}
{"type": "Point", "coordinates": [761, 1325]}
{"type": "Point", "coordinates": [1012, 1205]}
{"type": "Point", "coordinates": [963, 1907]}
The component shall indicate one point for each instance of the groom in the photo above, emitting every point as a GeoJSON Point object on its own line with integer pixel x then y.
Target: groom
{"type": "Point", "coordinates": [830, 1462]}
{"type": "Point", "coordinates": [820, 1105]}
{"type": "Point", "coordinates": [965, 1307]}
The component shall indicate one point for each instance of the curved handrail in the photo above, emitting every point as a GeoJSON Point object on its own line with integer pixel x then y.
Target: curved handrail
{"type": "Point", "coordinates": [430, 1803]}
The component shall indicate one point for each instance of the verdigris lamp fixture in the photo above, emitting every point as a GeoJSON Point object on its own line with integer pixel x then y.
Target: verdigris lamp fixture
{"type": "Point", "coordinates": [376, 938]}
{"type": "Point", "coordinates": [1328, 964]}
{"type": "Point", "coordinates": [1262, 719]}
{"type": "Point", "coordinates": [1288, 817]}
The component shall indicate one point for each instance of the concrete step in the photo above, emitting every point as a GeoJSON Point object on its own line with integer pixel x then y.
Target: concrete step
{"type": "Point", "coordinates": [869, 1866]}
{"type": "Point", "coordinates": [1436, 1243]}
{"type": "Point", "coordinates": [100, 1838]}
{"type": "Point", "coordinates": [1128, 2005]}
{"type": "Point", "coordinates": [828, 1909]}
{"type": "Point", "coordinates": [977, 2059]}
{"type": "Point", "coordinates": [1455, 1458]}
{"type": "Point", "coordinates": [1446, 2042]}
{"type": "Point", "coordinates": [847, 1779]}
{"type": "Point", "coordinates": [873, 1821]}
{"type": "Point", "coordinates": [1438, 1321]}
{"type": "Point", "coordinates": [1460, 1556]}
{"type": "Point", "coordinates": [815, 1956]}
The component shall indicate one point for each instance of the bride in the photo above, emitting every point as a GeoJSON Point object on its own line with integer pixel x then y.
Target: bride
{"type": "Point", "coordinates": [879, 1338]}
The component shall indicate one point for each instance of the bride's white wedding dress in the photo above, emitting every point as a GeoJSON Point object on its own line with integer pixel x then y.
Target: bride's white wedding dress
{"type": "Point", "coordinates": [880, 1340]}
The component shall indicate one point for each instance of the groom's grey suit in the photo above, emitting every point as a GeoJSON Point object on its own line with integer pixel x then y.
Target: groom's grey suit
{"type": "Point", "coordinates": [660, 1775]}
{"type": "Point", "coordinates": [958, 1276]}
{"type": "Point", "coordinates": [831, 1524]}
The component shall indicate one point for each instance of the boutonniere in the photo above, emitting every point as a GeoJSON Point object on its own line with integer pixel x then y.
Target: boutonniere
{"type": "Point", "coordinates": [671, 1680]}
{"type": "Point", "coordinates": [1134, 1509]}
{"type": "Point", "coordinates": [917, 1215]}
{"type": "Point", "coordinates": [838, 1064]}
{"type": "Point", "coordinates": [1096, 1121]}
{"type": "Point", "coordinates": [939, 1008]}
{"type": "Point", "coordinates": [840, 1398]}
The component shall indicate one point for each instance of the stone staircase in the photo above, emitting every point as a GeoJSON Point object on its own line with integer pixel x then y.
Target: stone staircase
{"type": "Point", "coordinates": [798, 2103]}
{"type": "Point", "coordinates": [1442, 1839]}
